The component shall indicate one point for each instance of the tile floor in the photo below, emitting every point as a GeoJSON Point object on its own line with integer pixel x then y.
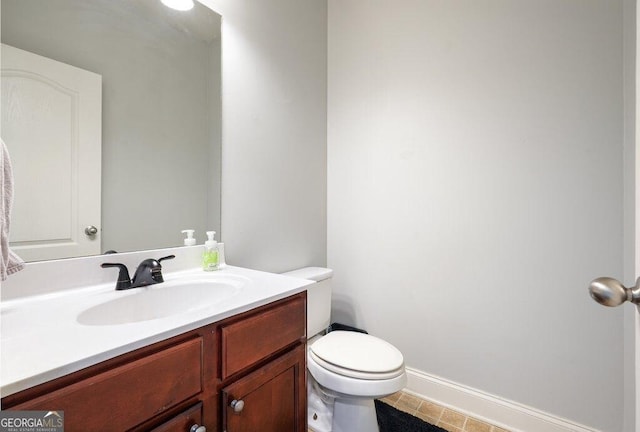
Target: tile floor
{"type": "Point", "coordinates": [445, 418]}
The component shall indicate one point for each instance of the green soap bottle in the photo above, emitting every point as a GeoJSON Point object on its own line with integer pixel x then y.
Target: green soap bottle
{"type": "Point", "coordinates": [210, 254]}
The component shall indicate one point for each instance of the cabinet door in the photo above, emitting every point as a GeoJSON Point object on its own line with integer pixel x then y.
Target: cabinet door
{"type": "Point", "coordinates": [271, 399]}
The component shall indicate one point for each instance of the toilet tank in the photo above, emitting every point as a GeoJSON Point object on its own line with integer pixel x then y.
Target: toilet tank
{"type": "Point", "coordinates": [318, 297]}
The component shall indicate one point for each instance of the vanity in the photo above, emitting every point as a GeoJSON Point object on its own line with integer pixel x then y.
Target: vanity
{"type": "Point", "coordinates": [232, 362]}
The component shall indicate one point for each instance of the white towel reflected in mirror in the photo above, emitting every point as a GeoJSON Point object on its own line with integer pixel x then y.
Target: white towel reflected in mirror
{"type": "Point", "coordinates": [9, 262]}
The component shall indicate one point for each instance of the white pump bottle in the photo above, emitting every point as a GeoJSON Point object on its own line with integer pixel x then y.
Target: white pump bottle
{"type": "Point", "coordinates": [189, 240]}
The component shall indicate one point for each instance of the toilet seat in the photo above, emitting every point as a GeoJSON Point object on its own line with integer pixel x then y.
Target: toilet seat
{"type": "Point", "coordinates": [357, 355]}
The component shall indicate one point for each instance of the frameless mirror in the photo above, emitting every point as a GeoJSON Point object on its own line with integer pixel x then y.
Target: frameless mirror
{"type": "Point", "coordinates": [157, 124]}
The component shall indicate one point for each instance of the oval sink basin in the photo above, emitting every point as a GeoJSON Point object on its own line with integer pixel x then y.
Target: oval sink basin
{"type": "Point", "coordinates": [159, 301]}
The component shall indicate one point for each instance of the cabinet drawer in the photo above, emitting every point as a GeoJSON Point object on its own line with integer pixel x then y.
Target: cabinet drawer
{"type": "Point", "coordinates": [257, 337]}
{"type": "Point", "coordinates": [183, 421]}
{"type": "Point", "coordinates": [125, 396]}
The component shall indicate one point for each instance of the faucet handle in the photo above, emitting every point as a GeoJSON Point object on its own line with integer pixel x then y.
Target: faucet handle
{"type": "Point", "coordinates": [149, 272]}
{"type": "Point", "coordinates": [168, 257]}
{"type": "Point", "coordinates": [156, 271]}
{"type": "Point", "coordinates": [124, 282]}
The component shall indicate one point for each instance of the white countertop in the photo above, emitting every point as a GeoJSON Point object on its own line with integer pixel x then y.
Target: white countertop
{"type": "Point", "coordinates": [41, 337]}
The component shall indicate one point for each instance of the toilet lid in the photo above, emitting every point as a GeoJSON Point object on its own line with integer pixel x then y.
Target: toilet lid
{"type": "Point", "coordinates": [358, 354]}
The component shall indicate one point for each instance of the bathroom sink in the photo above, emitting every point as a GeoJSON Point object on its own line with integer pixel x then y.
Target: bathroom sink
{"type": "Point", "coordinates": [160, 301]}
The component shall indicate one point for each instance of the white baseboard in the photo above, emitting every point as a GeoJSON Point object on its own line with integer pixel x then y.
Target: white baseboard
{"type": "Point", "coordinates": [483, 406]}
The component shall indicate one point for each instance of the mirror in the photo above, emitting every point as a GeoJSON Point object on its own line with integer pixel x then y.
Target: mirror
{"type": "Point", "coordinates": [160, 118]}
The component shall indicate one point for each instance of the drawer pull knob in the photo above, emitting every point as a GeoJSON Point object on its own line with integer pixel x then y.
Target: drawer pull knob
{"type": "Point", "coordinates": [197, 428]}
{"type": "Point", "coordinates": [237, 405]}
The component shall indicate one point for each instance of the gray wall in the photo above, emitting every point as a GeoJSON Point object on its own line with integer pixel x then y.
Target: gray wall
{"type": "Point", "coordinates": [274, 132]}
{"type": "Point", "coordinates": [463, 208]}
{"type": "Point", "coordinates": [631, 326]}
{"type": "Point", "coordinates": [475, 156]}
{"type": "Point", "coordinates": [161, 112]}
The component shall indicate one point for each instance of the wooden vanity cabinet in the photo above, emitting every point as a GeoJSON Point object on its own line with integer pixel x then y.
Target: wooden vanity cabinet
{"type": "Point", "coordinates": [260, 391]}
{"type": "Point", "coordinates": [257, 357]}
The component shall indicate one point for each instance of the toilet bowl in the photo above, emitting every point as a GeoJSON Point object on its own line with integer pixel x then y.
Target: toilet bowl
{"type": "Point", "coordinates": [347, 370]}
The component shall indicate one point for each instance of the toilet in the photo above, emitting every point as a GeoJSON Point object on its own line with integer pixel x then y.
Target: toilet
{"type": "Point", "coordinates": [347, 370]}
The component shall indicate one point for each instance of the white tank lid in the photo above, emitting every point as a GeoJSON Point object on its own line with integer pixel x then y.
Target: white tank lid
{"type": "Point", "coordinates": [358, 352]}
{"type": "Point", "coordinates": [311, 273]}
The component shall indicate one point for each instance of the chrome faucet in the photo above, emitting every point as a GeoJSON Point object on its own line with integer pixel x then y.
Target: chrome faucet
{"type": "Point", "coordinates": [149, 272]}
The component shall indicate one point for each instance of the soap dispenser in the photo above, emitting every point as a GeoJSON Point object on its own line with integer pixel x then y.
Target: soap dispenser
{"type": "Point", "coordinates": [210, 254]}
{"type": "Point", "coordinates": [189, 240]}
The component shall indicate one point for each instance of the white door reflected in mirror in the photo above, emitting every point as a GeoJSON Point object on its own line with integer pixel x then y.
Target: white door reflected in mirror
{"type": "Point", "coordinates": [51, 124]}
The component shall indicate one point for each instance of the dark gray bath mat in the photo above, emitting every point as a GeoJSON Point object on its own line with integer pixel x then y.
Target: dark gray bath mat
{"type": "Point", "coordinates": [391, 419]}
